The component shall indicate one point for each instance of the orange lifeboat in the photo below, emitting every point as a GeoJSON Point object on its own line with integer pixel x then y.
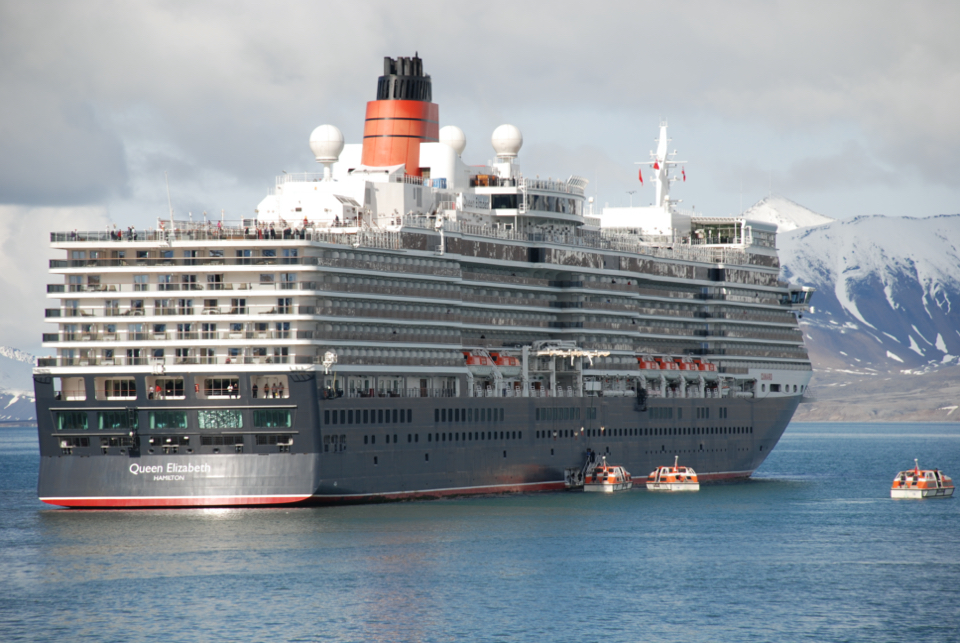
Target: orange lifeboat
{"type": "Point", "coordinates": [705, 366]}
{"type": "Point", "coordinates": [607, 478]}
{"type": "Point", "coordinates": [675, 478]}
{"type": "Point", "coordinates": [685, 364]}
{"type": "Point", "coordinates": [478, 364]}
{"type": "Point", "coordinates": [647, 363]}
{"type": "Point", "coordinates": [921, 483]}
{"type": "Point", "coordinates": [508, 366]}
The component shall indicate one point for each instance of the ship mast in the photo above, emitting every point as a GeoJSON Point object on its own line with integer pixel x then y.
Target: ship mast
{"type": "Point", "coordinates": [661, 162]}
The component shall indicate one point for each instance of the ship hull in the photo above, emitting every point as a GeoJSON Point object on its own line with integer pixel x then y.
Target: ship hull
{"type": "Point", "coordinates": [420, 458]}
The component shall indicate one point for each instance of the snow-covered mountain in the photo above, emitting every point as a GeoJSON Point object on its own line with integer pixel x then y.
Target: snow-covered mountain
{"type": "Point", "coordinates": [16, 385]}
{"type": "Point", "coordinates": [886, 291]}
{"type": "Point", "coordinates": [785, 214]}
{"type": "Point", "coordinates": [16, 370]}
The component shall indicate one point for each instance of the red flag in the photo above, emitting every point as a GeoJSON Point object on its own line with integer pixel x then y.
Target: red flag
{"type": "Point", "coordinates": [684, 172]}
{"type": "Point", "coordinates": [641, 176]}
{"type": "Point", "coordinates": [656, 165]}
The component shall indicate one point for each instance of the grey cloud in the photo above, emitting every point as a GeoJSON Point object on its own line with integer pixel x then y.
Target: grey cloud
{"type": "Point", "coordinates": [233, 89]}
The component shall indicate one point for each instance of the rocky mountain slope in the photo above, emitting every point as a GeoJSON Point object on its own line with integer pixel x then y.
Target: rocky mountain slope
{"type": "Point", "coordinates": [16, 385]}
{"type": "Point", "coordinates": [883, 332]}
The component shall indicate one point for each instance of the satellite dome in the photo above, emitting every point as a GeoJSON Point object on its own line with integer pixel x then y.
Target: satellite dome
{"type": "Point", "coordinates": [454, 137]}
{"type": "Point", "coordinates": [507, 141]}
{"type": "Point", "coordinates": [326, 142]}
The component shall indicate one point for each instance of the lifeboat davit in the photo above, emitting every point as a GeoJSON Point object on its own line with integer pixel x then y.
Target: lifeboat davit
{"type": "Point", "coordinates": [675, 478]}
{"type": "Point", "coordinates": [921, 483]}
{"type": "Point", "coordinates": [607, 478]}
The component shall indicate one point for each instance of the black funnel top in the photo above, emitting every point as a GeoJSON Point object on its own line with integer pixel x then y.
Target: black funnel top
{"type": "Point", "coordinates": [403, 79]}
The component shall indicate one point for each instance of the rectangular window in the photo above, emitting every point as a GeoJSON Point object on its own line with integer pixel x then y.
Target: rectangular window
{"type": "Point", "coordinates": [164, 387]}
{"type": "Point", "coordinates": [221, 387]}
{"type": "Point", "coordinates": [273, 418]}
{"type": "Point", "coordinates": [168, 419]}
{"type": "Point", "coordinates": [120, 389]}
{"type": "Point", "coordinates": [122, 419]}
{"type": "Point", "coordinates": [220, 419]}
{"type": "Point", "coordinates": [72, 421]}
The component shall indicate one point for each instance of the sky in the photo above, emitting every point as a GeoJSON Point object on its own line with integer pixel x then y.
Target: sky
{"type": "Point", "coordinates": [846, 108]}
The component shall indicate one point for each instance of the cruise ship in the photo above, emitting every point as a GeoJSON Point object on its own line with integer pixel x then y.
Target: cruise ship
{"type": "Point", "coordinates": [404, 325]}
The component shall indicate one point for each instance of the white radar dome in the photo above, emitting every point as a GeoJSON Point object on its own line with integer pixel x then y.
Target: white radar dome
{"type": "Point", "coordinates": [454, 137]}
{"type": "Point", "coordinates": [326, 142]}
{"type": "Point", "coordinates": [507, 141]}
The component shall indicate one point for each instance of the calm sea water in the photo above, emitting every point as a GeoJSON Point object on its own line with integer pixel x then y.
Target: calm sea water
{"type": "Point", "coordinates": [812, 548]}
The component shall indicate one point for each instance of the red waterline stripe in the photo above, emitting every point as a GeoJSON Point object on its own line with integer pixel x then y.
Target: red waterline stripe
{"type": "Point", "coordinates": [224, 501]}
{"type": "Point", "coordinates": [174, 501]}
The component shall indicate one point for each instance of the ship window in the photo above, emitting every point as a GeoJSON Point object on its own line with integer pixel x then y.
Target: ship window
{"type": "Point", "coordinates": [349, 416]}
{"type": "Point", "coordinates": [443, 436]}
{"type": "Point", "coordinates": [70, 388]}
{"type": "Point", "coordinates": [436, 415]}
{"type": "Point", "coordinates": [221, 387]}
{"type": "Point", "coordinates": [116, 389]}
{"type": "Point", "coordinates": [426, 457]}
{"type": "Point", "coordinates": [373, 439]}
{"type": "Point", "coordinates": [774, 388]}
{"type": "Point", "coordinates": [409, 415]}
{"type": "Point", "coordinates": [394, 415]}
{"type": "Point", "coordinates": [501, 415]}
{"type": "Point", "coordinates": [326, 416]}
{"type": "Point", "coordinates": [121, 419]}
{"type": "Point", "coordinates": [763, 388]}
{"type": "Point", "coordinates": [429, 437]}
{"type": "Point", "coordinates": [409, 438]}
{"type": "Point", "coordinates": [72, 420]}
{"type": "Point", "coordinates": [168, 419]}
{"type": "Point", "coordinates": [501, 435]}
{"type": "Point", "coordinates": [374, 460]}
{"type": "Point", "coordinates": [160, 388]}
{"type": "Point", "coordinates": [220, 419]}
{"type": "Point", "coordinates": [443, 415]}
{"type": "Point", "coordinates": [343, 417]}
{"type": "Point", "coordinates": [272, 418]}
{"type": "Point", "coordinates": [366, 439]}
{"type": "Point", "coordinates": [416, 437]}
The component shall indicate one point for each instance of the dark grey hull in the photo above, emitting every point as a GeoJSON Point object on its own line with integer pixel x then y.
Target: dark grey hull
{"type": "Point", "coordinates": [427, 455]}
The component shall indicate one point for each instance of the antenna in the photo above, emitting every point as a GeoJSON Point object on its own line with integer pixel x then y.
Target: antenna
{"type": "Point", "coordinates": [169, 202]}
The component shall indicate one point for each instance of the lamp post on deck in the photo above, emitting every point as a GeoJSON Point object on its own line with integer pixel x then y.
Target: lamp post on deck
{"type": "Point", "coordinates": [631, 193]}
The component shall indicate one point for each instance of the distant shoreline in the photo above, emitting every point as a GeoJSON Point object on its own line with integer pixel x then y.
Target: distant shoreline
{"type": "Point", "coordinates": [26, 424]}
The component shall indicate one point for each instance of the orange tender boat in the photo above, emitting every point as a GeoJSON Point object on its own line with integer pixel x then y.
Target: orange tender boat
{"type": "Point", "coordinates": [607, 478]}
{"type": "Point", "coordinates": [675, 478]}
{"type": "Point", "coordinates": [921, 483]}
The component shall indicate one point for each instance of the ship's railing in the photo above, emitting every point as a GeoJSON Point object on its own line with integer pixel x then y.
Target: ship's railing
{"type": "Point", "coordinates": [189, 287]}
{"type": "Point", "coordinates": [389, 265]}
{"type": "Point", "coordinates": [549, 185]}
{"type": "Point", "coordinates": [670, 248]}
{"type": "Point", "coordinates": [331, 394]}
{"type": "Point", "coordinates": [172, 308]}
{"type": "Point", "coordinates": [507, 279]}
